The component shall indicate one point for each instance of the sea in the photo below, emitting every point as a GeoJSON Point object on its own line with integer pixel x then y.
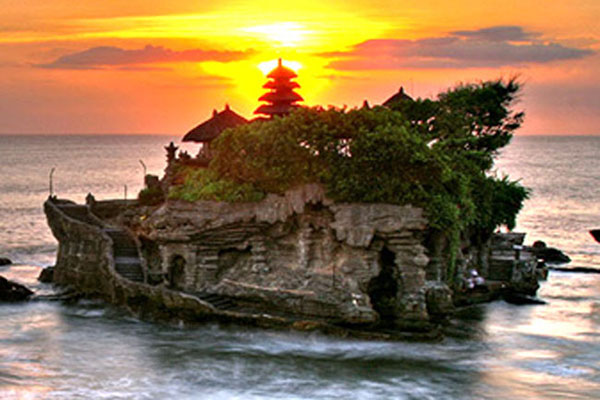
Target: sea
{"type": "Point", "coordinates": [91, 350]}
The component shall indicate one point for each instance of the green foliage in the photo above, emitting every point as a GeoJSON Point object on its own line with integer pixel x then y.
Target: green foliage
{"type": "Point", "coordinates": [204, 184]}
{"type": "Point", "coordinates": [435, 154]}
{"type": "Point", "coordinates": [472, 118]}
{"type": "Point", "coordinates": [499, 201]}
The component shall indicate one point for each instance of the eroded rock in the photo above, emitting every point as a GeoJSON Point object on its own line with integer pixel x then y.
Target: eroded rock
{"type": "Point", "coordinates": [550, 255]}
{"type": "Point", "coordinates": [12, 291]}
{"type": "Point", "coordinates": [46, 275]}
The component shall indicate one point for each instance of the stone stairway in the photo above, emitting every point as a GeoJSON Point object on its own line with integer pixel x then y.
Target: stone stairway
{"type": "Point", "coordinates": [218, 301]}
{"type": "Point", "coordinates": [79, 213]}
{"type": "Point", "coordinates": [125, 253]}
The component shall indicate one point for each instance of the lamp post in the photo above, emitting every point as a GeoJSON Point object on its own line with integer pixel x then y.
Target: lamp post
{"type": "Point", "coordinates": [144, 166]}
{"type": "Point", "coordinates": [51, 187]}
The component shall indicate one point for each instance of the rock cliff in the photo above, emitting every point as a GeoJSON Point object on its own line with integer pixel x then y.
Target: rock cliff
{"type": "Point", "coordinates": [298, 254]}
{"type": "Point", "coordinates": [296, 260]}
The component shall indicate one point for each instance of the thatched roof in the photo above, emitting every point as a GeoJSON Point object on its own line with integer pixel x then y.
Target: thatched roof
{"type": "Point", "coordinates": [397, 98]}
{"type": "Point", "coordinates": [210, 129]}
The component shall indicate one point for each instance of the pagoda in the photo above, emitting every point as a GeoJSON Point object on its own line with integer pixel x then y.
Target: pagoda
{"type": "Point", "coordinates": [281, 96]}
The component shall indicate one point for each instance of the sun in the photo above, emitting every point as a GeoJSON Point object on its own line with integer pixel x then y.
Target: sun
{"type": "Point", "coordinates": [268, 66]}
{"type": "Point", "coordinates": [282, 34]}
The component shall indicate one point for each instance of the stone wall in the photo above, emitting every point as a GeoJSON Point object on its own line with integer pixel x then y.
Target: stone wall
{"type": "Point", "coordinates": [297, 254]}
{"type": "Point", "coordinates": [85, 263]}
{"type": "Point", "coordinates": [84, 253]}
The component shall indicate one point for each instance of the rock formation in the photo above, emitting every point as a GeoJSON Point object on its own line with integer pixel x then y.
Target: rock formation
{"type": "Point", "coordinates": [298, 254]}
{"type": "Point", "coordinates": [4, 261]}
{"type": "Point", "coordinates": [296, 260]}
{"type": "Point", "coordinates": [549, 255]}
{"type": "Point", "coordinates": [46, 275]}
{"type": "Point", "coordinates": [12, 291]}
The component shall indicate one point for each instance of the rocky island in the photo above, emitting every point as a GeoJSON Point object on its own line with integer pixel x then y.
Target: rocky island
{"type": "Point", "coordinates": [373, 222]}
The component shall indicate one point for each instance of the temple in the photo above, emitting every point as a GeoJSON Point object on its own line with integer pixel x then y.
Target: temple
{"type": "Point", "coordinates": [397, 99]}
{"type": "Point", "coordinates": [281, 97]}
{"type": "Point", "coordinates": [293, 258]}
{"type": "Point", "coordinates": [210, 129]}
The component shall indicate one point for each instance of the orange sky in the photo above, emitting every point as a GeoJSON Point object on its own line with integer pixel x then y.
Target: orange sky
{"type": "Point", "coordinates": [150, 66]}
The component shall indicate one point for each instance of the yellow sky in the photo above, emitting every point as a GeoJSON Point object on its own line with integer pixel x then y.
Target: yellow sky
{"type": "Point", "coordinates": [150, 67]}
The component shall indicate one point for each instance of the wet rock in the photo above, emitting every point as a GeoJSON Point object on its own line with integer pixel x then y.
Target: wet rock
{"type": "Point", "coordinates": [12, 291]}
{"type": "Point", "coordinates": [67, 296]}
{"type": "Point", "coordinates": [521, 299]}
{"type": "Point", "coordinates": [550, 255]}
{"type": "Point", "coordinates": [46, 275]}
{"type": "Point", "coordinates": [5, 261]}
{"type": "Point", "coordinates": [580, 270]}
{"type": "Point", "coordinates": [439, 299]}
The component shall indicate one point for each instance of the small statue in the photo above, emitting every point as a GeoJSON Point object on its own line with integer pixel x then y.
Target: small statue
{"type": "Point", "coordinates": [184, 156]}
{"type": "Point", "coordinates": [171, 152]}
{"type": "Point", "coordinates": [90, 200]}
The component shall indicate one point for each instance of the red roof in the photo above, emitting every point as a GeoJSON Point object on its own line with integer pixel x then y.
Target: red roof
{"type": "Point", "coordinates": [275, 84]}
{"type": "Point", "coordinates": [281, 96]}
{"type": "Point", "coordinates": [281, 72]}
{"type": "Point", "coordinates": [275, 109]}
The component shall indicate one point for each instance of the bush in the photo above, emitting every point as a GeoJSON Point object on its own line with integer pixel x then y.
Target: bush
{"type": "Point", "coordinates": [204, 184]}
{"type": "Point", "coordinates": [151, 196]}
{"type": "Point", "coordinates": [435, 154]}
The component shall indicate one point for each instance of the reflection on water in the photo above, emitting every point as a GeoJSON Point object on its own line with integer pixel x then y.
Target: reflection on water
{"type": "Point", "coordinates": [494, 351]}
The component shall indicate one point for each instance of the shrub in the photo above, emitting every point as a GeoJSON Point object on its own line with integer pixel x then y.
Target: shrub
{"type": "Point", "coordinates": [435, 154]}
{"type": "Point", "coordinates": [204, 184]}
{"type": "Point", "coordinates": [151, 196]}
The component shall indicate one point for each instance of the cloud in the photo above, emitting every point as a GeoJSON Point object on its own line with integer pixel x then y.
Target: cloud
{"type": "Point", "coordinates": [498, 34]}
{"type": "Point", "coordinates": [114, 57]}
{"type": "Point", "coordinates": [489, 47]}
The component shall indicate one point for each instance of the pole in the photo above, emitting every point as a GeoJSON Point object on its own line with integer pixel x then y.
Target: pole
{"type": "Point", "coordinates": [51, 187]}
{"type": "Point", "coordinates": [125, 191]}
{"type": "Point", "coordinates": [143, 166]}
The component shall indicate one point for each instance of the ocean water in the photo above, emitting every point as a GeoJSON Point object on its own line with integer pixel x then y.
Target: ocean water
{"type": "Point", "coordinates": [89, 350]}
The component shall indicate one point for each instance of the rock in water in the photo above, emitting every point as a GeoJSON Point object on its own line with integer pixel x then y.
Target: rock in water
{"type": "Point", "coordinates": [11, 291]}
{"type": "Point", "coordinates": [46, 275]}
{"type": "Point", "coordinates": [4, 261]}
{"type": "Point", "coordinates": [596, 234]}
{"type": "Point", "coordinates": [549, 254]}
{"type": "Point", "coordinates": [521, 299]}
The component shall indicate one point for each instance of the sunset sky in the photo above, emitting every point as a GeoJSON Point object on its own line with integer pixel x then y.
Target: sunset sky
{"type": "Point", "coordinates": [149, 66]}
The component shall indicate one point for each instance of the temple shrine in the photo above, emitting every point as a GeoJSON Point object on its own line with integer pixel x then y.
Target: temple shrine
{"type": "Point", "coordinates": [281, 97]}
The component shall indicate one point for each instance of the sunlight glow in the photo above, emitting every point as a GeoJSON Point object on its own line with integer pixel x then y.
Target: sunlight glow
{"type": "Point", "coordinates": [286, 34]}
{"type": "Point", "coordinates": [268, 66]}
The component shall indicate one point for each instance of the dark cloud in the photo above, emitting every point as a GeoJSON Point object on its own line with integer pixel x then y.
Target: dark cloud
{"type": "Point", "coordinates": [489, 47]}
{"type": "Point", "coordinates": [108, 56]}
{"type": "Point", "coordinates": [498, 34]}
